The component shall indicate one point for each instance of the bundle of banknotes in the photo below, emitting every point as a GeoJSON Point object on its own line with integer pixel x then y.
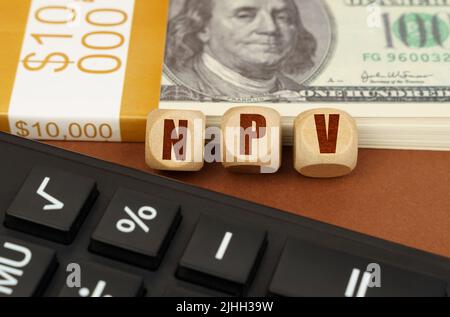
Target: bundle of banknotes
{"type": "Point", "coordinates": [91, 70]}
{"type": "Point", "coordinates": [386, 62]}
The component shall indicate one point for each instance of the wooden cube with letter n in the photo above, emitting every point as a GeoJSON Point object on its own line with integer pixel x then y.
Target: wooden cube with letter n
{"type": "Point", "coordinates": [251, 140]}
{"type": "Point", "coordinates": [325, 143]}
{"type": "Point", "coordinates": [175, 140]}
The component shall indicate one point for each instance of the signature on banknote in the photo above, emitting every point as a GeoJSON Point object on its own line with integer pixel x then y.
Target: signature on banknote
{"type": "Point", "coordinates": [392, 75]}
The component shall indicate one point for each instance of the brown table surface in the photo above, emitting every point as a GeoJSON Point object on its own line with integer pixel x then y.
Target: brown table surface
{"type": "Point", "coordinates": [401, 196]}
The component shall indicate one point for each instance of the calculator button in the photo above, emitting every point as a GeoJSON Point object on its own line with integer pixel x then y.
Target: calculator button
{"type": "Point", "coordinates": [223, 255]}
{"type": "Point", "coordinates": [25, 268]}
{"type": "Point", "coordinates": [190, 291]}
{"type": "Point", "coordinates": [306, 269]}
{"type": "Point", "coordinates": [51, 204]}
{"type": "Point", "coordinates": [136, 228]}
{"type": "Point", "coordinates": [183, 292]}
{"type": "Point", "coordinates": [102, 281]}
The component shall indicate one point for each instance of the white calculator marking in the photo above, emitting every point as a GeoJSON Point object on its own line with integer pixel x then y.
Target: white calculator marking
{"type": "Point", "coordinates": [224, 245]}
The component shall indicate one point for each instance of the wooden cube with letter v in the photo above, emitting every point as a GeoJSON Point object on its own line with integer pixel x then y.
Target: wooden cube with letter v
{"type": "Point", "coordinates": [251, 140]}
{"type": "Point", "coordinates": [325, 143]}
{"type": "Point", "coordinates": [175, 140]}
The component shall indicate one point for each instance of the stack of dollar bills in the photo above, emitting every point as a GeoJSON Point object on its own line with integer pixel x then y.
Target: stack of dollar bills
{"type": "Point", "coordinates": [385, 62]}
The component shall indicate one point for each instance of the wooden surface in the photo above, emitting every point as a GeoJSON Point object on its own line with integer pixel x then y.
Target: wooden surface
{"type": "Point", "coordinates": [401, 196]}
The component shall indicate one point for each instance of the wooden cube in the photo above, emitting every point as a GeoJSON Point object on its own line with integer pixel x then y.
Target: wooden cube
{"type": "Point", "coordinates": [175, 140]}
{"type": "Point", "coordinates": [251, 140]}
{"type": "Point", "coordinates": [325, 143]}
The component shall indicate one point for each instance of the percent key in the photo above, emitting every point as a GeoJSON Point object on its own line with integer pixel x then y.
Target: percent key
{"type": "Point", "coordinates": [139, 238]}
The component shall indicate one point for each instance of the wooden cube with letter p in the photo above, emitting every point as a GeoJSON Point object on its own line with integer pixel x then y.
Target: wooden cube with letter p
{"type": "Point", "coordinates": [175, 140]}
{"type": "Point", "coordinates": [251, 140]}
{"type": "Point", "coordinates": [325, 143]}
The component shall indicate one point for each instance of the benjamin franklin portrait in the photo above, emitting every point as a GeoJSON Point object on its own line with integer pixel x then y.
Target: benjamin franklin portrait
{"type": "Point", "coordinates": [242, 48]}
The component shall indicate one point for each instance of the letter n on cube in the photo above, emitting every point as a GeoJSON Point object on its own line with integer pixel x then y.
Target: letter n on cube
{"type": "Point", "coordinates": [175, 140]}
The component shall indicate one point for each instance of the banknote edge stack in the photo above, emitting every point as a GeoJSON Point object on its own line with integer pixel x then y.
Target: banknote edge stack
{"type": "Point", "coordinates": [384, 124]}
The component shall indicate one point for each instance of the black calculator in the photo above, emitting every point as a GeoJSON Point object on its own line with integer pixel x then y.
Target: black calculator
{"type": "Point", "coordinates": [75, 226]}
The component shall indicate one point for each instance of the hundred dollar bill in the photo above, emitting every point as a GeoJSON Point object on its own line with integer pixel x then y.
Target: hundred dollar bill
{"type": "Point", "coordinates": [385, 58]}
